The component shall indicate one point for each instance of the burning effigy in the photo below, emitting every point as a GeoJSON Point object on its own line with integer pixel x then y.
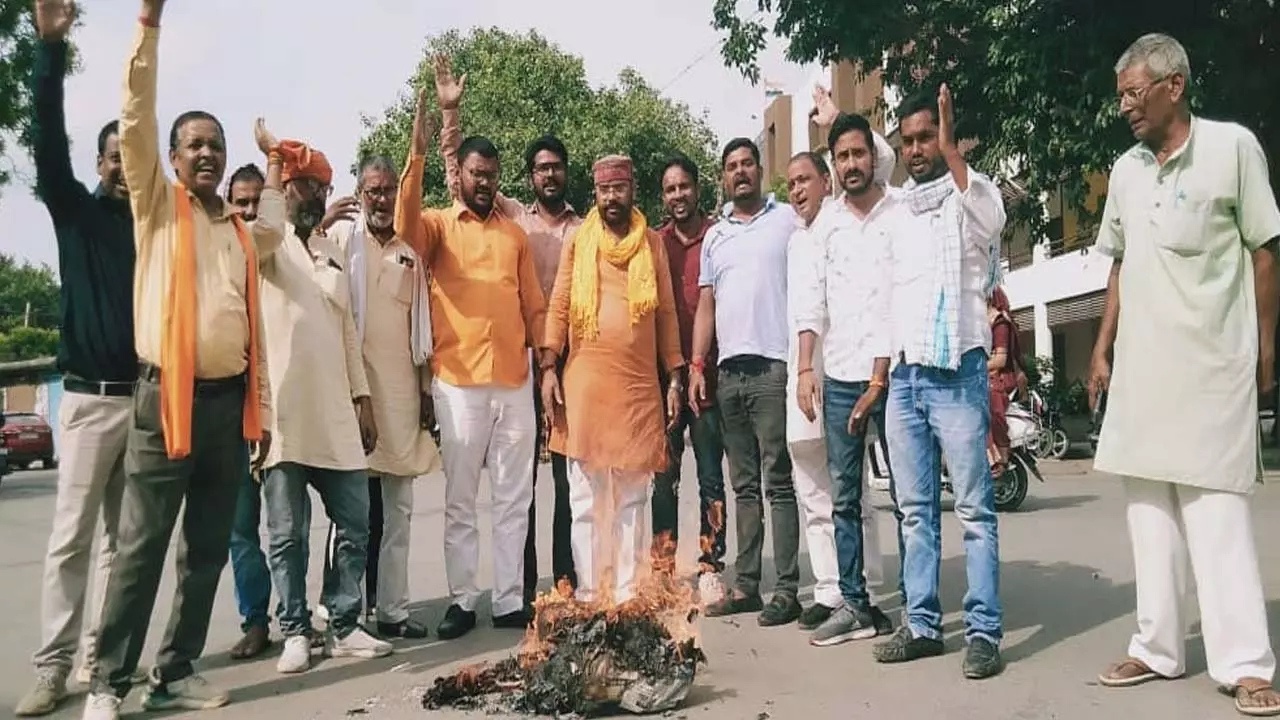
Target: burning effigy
{"type": "Point", "coordinates": [592, 657]}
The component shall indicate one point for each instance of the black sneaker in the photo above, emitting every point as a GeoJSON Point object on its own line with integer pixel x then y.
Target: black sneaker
{"type": "Point", "coordinates": [982, 660]}
{"type": "Point", "coordinates": [880, 621]}
{"type": "Point", "coordinates": [905, 647]}
{"type": "Point", "coordinates": [406, 629]}
{"type": "Point", "coordinates": [734, 605]}
{"type": "Point", "coordinates": [518, 620]}
{"type": "Point", "coordinates": [814, 615]}
{"type": "Point", "coordinates": [457, 622]}
{"type": "Point", "coordinates": [781, 610]}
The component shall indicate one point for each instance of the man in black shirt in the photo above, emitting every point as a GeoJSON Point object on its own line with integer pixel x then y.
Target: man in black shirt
{"type": "Point", "coordinates": [96, 353]}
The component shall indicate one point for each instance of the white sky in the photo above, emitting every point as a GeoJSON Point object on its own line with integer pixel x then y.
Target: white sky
{"type": "Point", "coordinates": [311, 67]}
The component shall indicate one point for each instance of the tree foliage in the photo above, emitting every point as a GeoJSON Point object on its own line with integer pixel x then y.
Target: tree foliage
{"type": "Point", "coordinates": [520, 87]}
{"type": "Point", "coordinates": [1034, 80]}
{"type": "Point", "coordinates": [18, 44]}
{"type": "Point", "coordinates": [29, 315]}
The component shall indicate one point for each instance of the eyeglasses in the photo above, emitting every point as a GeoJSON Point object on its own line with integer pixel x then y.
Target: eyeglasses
{"type": "Point", "coordinates": [1136, 95]}
{"type": "Point", "coordinates": [547, 168]}
{"type": "Point", "coordinates": [375, 193]}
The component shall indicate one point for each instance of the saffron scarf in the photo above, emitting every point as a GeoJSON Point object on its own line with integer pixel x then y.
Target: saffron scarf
{"type": "Point", "coordinates": [593, 241]}
{"type": "Point", "coordinates": [178, 334]}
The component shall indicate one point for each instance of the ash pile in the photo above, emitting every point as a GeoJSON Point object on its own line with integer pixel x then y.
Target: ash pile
{"type": "Point", "coordinates": [588, 658]}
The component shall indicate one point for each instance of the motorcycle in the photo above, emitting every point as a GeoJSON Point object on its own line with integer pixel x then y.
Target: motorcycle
{"type": "Point", "coordinates": [1011, 486]}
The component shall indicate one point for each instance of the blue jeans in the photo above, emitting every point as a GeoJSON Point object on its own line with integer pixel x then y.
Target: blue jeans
{"type": "Point", "coordinates": [248, 563]}
{"type": "Point", "coordinates": [930, 408]}
{"type": "Point", "coordinates": [845, 453]}
{"type": "Point", "coordinates": [345, 494]}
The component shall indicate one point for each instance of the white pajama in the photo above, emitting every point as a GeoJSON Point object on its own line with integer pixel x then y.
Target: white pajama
{"type": "Point", "coordinates": [93, 432]}
{"type": "Point", "coordinates": [393, 554]}
{"type": "Point", "coordinates": [1170, 524]}
{"type": "Point", "coordinates": [610, 530]}
{"type": "Point", "coordinates": [494, 427]}
{"type": "Point", "coordinates": [813, 490]}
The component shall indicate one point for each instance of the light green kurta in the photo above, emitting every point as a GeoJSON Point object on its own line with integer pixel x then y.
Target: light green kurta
{"type": "Point", "coordinates": [1183, 401]}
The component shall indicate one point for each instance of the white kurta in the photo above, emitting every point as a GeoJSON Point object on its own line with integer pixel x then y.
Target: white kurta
{"type": "Point", "coordinates": [404, 448]}
{"type": "Point", "coordinates": [314, 359]}
{"type": "Point", "coordinates": [1182, 406]}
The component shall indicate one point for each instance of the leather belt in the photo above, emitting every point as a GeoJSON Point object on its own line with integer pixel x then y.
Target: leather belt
{"type": "Point", "coordinates": [150, 373]}
{"type": "Point", "coordinates": [101, 388]}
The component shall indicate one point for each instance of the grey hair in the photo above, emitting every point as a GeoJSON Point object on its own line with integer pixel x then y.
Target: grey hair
{"type": "Point", "coordinates": [380, 163]}
{"type": "Point", "coordinates": [1162, 54]}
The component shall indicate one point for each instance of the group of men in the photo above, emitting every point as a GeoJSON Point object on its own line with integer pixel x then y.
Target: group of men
{"type": "Point", "coordinates": [219, 351]}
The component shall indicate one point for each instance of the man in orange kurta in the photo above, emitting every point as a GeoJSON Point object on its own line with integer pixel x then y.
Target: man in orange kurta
{"type": "Point", "coordinates": [613, 293]}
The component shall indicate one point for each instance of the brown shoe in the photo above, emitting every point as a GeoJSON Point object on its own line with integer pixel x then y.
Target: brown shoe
{"type": "Point", "coordinates": [255, 642]}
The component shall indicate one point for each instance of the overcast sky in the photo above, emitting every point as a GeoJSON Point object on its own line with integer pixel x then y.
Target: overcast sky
{"type": "Point", "coordinates": [311, 67]}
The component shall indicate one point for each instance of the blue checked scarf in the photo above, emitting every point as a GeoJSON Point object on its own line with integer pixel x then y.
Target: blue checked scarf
{"type": "Point", "coordinates": [938, 344]}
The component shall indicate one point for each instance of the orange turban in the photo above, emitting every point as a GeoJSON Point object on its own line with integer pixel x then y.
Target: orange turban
{"type": "Point", "coordinates": [613, 168]}
{"type": "Point", "coordinates": [300, 161]}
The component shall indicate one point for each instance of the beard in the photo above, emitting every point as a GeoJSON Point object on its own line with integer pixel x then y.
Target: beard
{"type": "Point", "coordinates": [309, 214]}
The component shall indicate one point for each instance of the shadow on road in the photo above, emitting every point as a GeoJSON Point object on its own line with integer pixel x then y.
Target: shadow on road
{"type": "Point", "coordinates": [26, 484]}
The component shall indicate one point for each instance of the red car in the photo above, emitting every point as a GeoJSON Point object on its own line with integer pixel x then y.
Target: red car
{"type": "Point", "coordinates": [28, 438]}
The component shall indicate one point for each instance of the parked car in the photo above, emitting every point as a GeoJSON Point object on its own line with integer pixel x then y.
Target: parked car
{"type": "Point", "coordinates": [5, 469]}
{"type": "Point", "coordinates": [28, 438]}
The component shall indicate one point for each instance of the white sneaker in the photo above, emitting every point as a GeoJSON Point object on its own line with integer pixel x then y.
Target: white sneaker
{"type": "Point", "coordinates": [101, 706]}
{"type": "Point", "coordinates": [190, 693]}
{"type": "Point", "coordinates": [358, 644]}
{"type": "Point", "coordinates": [296, 657]}
{"type": "Point", "coordinates": [322, 612]}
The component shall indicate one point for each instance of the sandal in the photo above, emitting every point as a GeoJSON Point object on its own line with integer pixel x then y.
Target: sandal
{"type": "Point", "coordinates": [1247, 695]}
{"type": "Point", "coordinates": [1129, 673]}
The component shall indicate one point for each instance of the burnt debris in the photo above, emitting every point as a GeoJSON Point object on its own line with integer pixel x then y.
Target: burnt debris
{"type": "Point", "coordinates": [587, 659]}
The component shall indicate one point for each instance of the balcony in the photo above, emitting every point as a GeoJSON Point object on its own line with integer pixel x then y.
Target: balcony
{"type": "Point", "coordinates": [1018, 255]}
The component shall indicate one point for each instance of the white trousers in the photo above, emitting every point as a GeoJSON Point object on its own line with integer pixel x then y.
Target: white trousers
{"type": "Point", "coordinates": [493, 427]}
{"type": "Point", "coordinates": [1170, 524]}
{"type": "Point", "coordinates": [393, 553]}
{"type": "Point", "coordinates": [813, 490]}
{"type": "Point", "coordinates": [610, 530]}
{"type": "Point", "coordinates": [93, 433]}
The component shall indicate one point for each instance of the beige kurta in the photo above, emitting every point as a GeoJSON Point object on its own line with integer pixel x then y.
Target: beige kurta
{"type": "Point", "coordinates": [315, 363]}
{"type": "Point", "coordinates": [395, 384]}
{"type": "Point", "coordinates": [1183, 402]}
{"type": "Point", "coordinates": [613, 414]}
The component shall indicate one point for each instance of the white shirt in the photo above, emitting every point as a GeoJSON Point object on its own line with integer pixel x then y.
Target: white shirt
{"type": "Point", "coordinates": [846, 282]}
{"type": "Point", "coordinates": [979, 210]}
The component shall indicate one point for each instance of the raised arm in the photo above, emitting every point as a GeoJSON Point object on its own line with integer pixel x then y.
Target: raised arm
{"type": "Point", "coordinates": [410, 224]}
{"type": "Point", "coordinates": [55, 181]}
{"type": "Point", "coordinates": [139, 132]}
{"type": "Point", "coordinates": [449, 93]}
{"type": "Point", "coordinates": [269, 229]}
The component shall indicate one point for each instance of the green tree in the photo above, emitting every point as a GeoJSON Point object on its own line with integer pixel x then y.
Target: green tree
{"type": "Point", "coordinates": [1034, 81]}
{"type": "Point", "coordinates": [28, 343]}
{"type": "Point", "coordinates": [519, 87]}
{"type": "Point", "coordinates": [22, 285]}
{"type": "Point", "coordinates": [18, 44]}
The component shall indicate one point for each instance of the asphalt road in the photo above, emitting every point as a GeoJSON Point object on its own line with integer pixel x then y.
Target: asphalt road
{"type": "Point", "coordinates": [1067, 585]}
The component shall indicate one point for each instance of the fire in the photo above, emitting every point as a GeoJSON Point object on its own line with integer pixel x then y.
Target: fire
{"type": "Point", "coordinates": [579, 655]}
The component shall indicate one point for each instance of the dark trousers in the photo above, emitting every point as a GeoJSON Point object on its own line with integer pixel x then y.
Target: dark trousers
{"type": "Point", "coordinates": [208, 482]}
{"type": "Point", "coordinates": [562, 518]}
{"type": "Point", "coordinates": [372, 552]}
{"type": "Point", "coordinates": [706, 434]}
{"type": "Point", "coordinates": [752, 396]}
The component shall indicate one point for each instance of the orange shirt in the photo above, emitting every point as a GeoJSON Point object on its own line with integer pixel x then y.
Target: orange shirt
{"type": "Point", "coordinates": [487, 308]}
